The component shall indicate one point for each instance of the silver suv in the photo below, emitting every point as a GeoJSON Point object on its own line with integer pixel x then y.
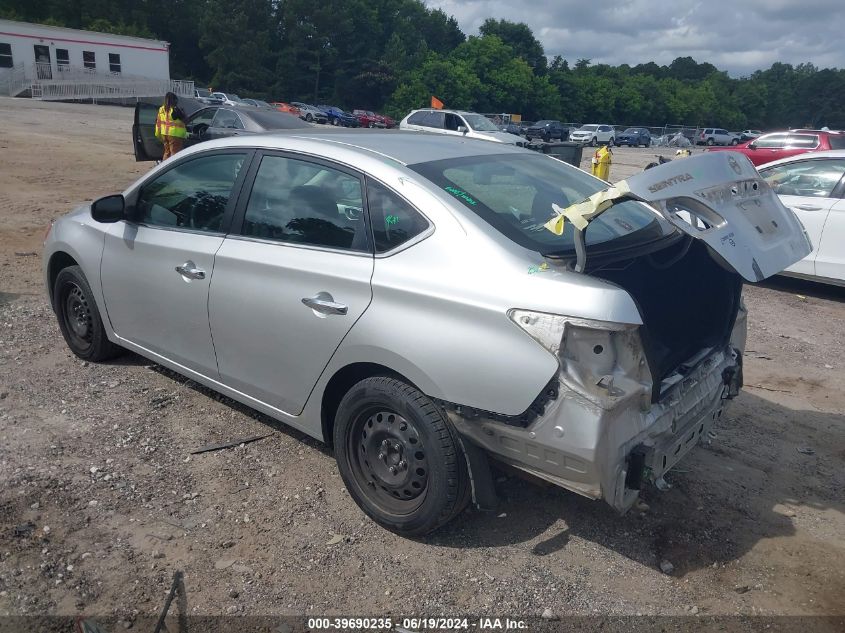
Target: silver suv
{"type": "Point", "coordinates": [716, 136]}
{"type": "Point", "coordinates": [426, 305]}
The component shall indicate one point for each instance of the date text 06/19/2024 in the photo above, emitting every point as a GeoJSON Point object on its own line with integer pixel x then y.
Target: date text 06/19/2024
{"type": "Point", "coordinates": [415, 624]}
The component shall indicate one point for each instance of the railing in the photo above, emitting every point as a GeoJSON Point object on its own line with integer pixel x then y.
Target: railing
{"type": "Point", "coordinates": [99, 89]}
{"type": "Point", "coordinates": [17, 81]}
{"type": "Point", "coordinates": [43, 70]}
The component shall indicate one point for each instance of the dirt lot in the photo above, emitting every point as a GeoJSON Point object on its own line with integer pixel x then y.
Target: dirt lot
{"type": "Point", "coordinates": [101, 500]}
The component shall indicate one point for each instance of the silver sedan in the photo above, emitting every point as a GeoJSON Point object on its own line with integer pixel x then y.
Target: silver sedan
{"type": "Point", "coordinates": [426, 304]}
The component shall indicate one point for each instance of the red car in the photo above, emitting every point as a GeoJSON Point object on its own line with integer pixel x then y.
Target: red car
{"type": "Point", "coordinates": [769, 147]}
{"type": "Point", "coordinates": [386, 120]}
{"type": "Point", "coordinates": [367, 118]}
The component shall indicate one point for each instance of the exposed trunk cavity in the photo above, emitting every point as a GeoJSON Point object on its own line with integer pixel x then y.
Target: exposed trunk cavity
{"type": "Point", "coordinates": [687, 301]}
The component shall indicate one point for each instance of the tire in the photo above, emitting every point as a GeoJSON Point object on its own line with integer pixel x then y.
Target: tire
{"type": "Point", "coordinates": [383, 422]}
{"type": "Point", "coordinates": [547, 138]}
{"type": "Point", "coordinates": [79, 319]}
{"type": "Point", "coordinates": [611, 142]}
{"type": "Point", "coordinates": [371, 125]}
{"type": "Point", "coordinates": [710, 142]}
{"type": "Point", "coordinates": [594, 142]}
{"type": "Point", "coordinates": [335, 121]}
{"type": "Point", "coordinates": [734, 141]}
{"type": "Point", "coordinates": [309, 117]}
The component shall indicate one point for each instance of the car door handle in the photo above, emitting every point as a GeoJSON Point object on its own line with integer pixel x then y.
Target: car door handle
{"type": "Point", "coordinates": [325, 306]}
{"type": "Point", "coordinates": [189, 270]}
{"type": "Point", "coordinates": [807, 207]}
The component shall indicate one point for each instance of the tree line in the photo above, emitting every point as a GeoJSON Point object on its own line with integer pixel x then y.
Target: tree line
{"type": "Point", "coordinates": [392, 55]}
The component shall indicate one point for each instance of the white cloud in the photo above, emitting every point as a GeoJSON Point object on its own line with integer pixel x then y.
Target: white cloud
{"type": "Point", "coordinates": [739, 36]}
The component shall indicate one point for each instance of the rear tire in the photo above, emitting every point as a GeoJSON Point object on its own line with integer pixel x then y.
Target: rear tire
{"type": "Point", "coordinates": [79, 319]}
{"type": "Point", "coordinates": [710, 142]}
{"type": "Point", "coordinates": [383, 423]}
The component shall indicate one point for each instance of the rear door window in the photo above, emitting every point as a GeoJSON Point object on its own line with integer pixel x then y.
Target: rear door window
{"type": "Point", "coordinates": [771, 141]}
{"type": "Point", "coordinates": [807, 141]}
{"type": "Point", "coordinates": [301, 202]}
{"type": "Point", "coordinates": [434, 120]}
{"type": "Point", "coordinates": [815, 177]}
{"type": "Point", "coordinates": [227, 119]}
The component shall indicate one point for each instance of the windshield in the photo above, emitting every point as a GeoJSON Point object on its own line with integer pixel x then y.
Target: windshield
{"type": "Point", "coordinates": [542, 123]}
{"type": "Point", "coordinates": [588, 128]}
{"type": "Point", "coordinates": [202, 92]}
{"type": "Point", "coordinates": [480, 123]}
{"type": "Point", "coordinates": [515, 193]}
{"type": "Point", "coordinates": [631, 130]}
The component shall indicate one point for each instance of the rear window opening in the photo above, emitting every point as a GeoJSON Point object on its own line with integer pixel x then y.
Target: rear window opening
{"type": "Point", "coordinates": [515, 194]}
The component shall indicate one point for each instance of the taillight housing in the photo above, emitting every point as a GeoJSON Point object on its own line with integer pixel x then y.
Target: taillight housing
{"type": "Point", "coordinates": [601, 360]}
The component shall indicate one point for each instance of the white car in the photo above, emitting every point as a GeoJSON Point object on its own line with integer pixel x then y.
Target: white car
{"type": "Point", "coordinates": [457, 123]}
{"type": "Point", "coordinates": [594, 134]}
{"type": "Point", "coordinates": [813, 186]}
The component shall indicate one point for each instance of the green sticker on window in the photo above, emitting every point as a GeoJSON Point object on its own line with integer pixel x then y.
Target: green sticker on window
{"type": "Point", "coordinates": [391, 219]}
{"type": "Point", "coordinates": [463, 195]}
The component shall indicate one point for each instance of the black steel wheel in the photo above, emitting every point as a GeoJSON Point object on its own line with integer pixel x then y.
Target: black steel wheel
{"type": "Point", "coordinates": [399, 456]}
{"type": "Point", "coordinates": [78, 316]}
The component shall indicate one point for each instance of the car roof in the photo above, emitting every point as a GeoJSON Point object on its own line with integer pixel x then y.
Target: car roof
{"type": "Point", "coordinates": [446, 110]}
{"type": "Point", "coordinates": [832, 153]}
{"type": "Point", "coordinates": [407, 148]}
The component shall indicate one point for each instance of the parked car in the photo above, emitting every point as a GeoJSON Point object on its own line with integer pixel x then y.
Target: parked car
{"type": "Point", "coordinates": [747, 135]}
{"type": "Point", "coordinates": [634, 136]}
{"type": "Point", "coordinates": [716, 136]}
{"type": "Point", "coordinates": [310, 113]}
{"type": "Point", "coordinates": [511, 128]}
{"type": "Point", "coordinates": [229, 99]}
{"type": "Point", "coordinates": [281, 106]}
{"type": "Point", "coordinates": [207, 123]}
{"type": "Point", "coordinates": [456, 123]}
{"type": "Point", "coordinates": [258, 103]}
{"type": "Point", "coordinates": [813, 186]}
{"type": "Point", "coordinates": [388, 121]}
{"type": "Point", "coordinates": [284, 271]}
{"type": "Point", "coordinates": [204, 96]}
{"type": "Point", "coordinates": [770, 147]}
{"type": "Point", "coordinates": [338, 116]}
{"type": "Point", "coordinates": [547, 130]}
{"type": "Point", "coordinates": [367, 118]}
{"type": "Point", "coordinates": [594, 134]}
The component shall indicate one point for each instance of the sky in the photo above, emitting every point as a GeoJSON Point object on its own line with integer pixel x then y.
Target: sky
{"type": "Point", "coordinates": [739, 36]}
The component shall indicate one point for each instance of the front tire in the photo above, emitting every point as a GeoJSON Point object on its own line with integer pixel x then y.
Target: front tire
{"type": "Point", "coordinates": [399, 456]}
{"type": "Point", "coordinates": [594, 142]}
{"type": "Point", "coordinates": [79, 319]}
{"type": "Point", "coordinates": [309, 117]}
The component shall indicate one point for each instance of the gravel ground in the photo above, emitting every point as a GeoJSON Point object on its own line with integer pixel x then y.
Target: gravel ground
{"type": "Point", "coordinates": [102, 500]}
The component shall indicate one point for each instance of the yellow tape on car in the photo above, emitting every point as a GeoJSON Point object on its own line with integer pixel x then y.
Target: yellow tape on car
{"type": "Point", "coordinates": [582, 213]}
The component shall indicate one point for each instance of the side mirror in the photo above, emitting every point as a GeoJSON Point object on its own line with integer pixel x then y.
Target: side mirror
{"type": "Point", "coordinates": [752, 146]}
{"type": "Point", "coordinates": [462, 129]}
{"type": "Point", "coordinates": [109, 209]}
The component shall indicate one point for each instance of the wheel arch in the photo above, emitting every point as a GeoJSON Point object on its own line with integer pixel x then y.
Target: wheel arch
{"type": "Point", "coordinates": [58, 261]}
{"type": "Point", "coordinates": [342, 381]}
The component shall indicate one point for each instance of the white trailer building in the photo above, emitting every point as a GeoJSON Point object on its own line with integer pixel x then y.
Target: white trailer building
{"type": "Point", "coordinates": [50, 62]}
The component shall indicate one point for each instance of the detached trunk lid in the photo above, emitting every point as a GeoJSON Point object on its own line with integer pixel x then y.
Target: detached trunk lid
{"type": "Point", "coordinates": [720, 199]}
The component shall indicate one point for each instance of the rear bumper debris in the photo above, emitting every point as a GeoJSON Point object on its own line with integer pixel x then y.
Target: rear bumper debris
{"type": "Point", "coordinates": [611, 453]}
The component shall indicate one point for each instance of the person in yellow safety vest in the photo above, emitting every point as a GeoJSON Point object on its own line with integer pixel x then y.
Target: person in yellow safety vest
{"type": "Point", "coordinates": [170, 126]}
